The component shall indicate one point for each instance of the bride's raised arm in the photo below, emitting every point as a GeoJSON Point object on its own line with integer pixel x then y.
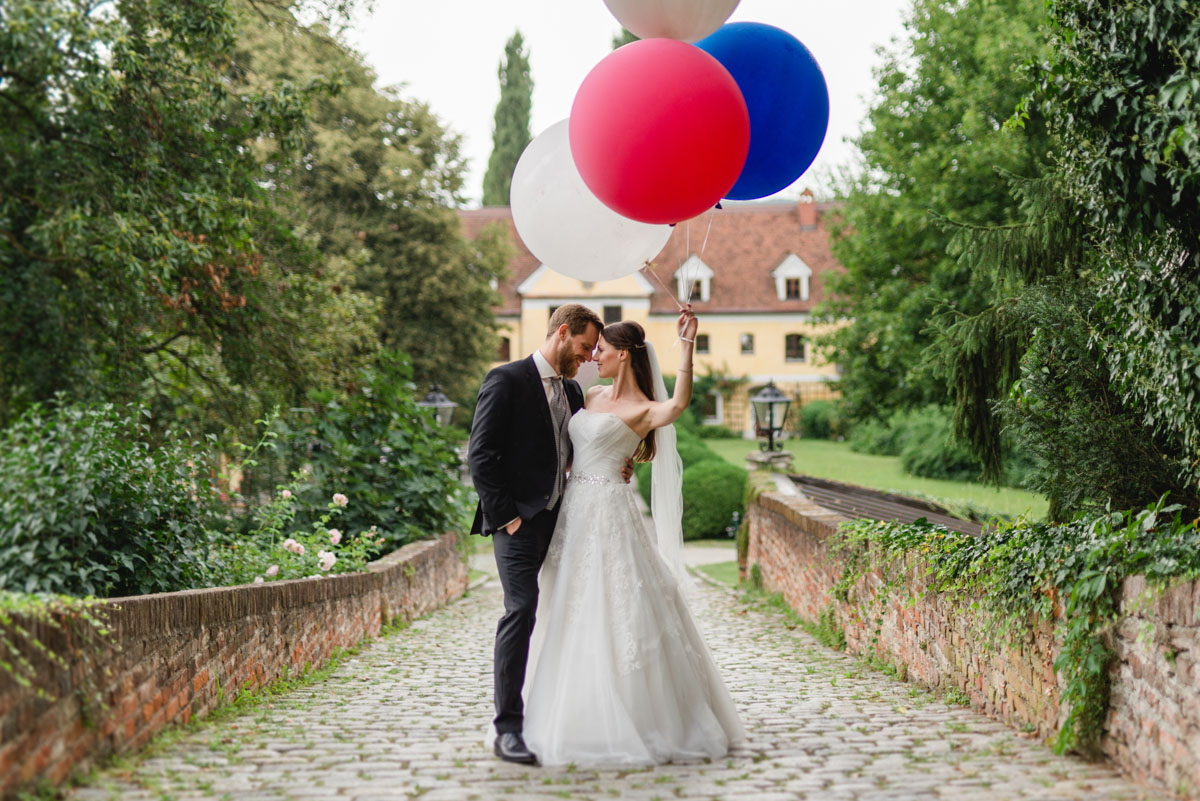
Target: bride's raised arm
{"type": "Point", "coordinates": [662, 414]}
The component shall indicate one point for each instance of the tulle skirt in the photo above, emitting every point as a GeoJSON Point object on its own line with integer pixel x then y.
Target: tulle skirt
{"type": "Point", "coordinates": [619, 672]}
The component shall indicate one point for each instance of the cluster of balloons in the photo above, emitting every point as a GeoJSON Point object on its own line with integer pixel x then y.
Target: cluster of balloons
{"type": "Point", "coordinates": [664, 128]}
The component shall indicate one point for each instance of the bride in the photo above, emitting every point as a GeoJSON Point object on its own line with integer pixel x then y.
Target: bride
{"type": "Point", "coordinates": [621, 674]}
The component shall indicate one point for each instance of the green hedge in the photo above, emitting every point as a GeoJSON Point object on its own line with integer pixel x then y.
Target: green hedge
{"type": "Point", "coordinates": [692, 450]}
{"type": "Point", "coordinates": [91, 505]}
{"type": "Point", "coordinates": [819, 419]}
{"type": "Point", "coordinates": [713, 499]}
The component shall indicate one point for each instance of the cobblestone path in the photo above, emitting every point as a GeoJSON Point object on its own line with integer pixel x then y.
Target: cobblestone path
{"type": "Point", "coordinates": [405, 719]}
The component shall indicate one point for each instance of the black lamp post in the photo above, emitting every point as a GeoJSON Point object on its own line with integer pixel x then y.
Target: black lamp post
{"type": "Point", "coordinates": [770, 410]}
{"type": "Point", "coordinates": [443, 407]}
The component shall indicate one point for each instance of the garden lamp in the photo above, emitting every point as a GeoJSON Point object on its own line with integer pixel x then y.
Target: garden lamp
{"type": "Point", "coordinates": [443, 407]}
{"type": "Point", "coordinates": [770, 410]}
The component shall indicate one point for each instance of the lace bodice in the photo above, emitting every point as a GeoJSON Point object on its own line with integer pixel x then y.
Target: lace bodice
{"type": "Point", "coordinates": [602, 442]}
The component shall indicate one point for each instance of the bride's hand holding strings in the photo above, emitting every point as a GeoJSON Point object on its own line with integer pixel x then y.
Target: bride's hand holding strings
{"type": "Point", "coordinates": [687, 325]}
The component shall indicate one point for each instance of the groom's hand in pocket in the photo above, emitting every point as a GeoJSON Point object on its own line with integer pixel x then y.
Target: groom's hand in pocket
{"type": "Point", "coordinates": [627, 469]}
{"type": "Point", "coordinates": [512, 527]}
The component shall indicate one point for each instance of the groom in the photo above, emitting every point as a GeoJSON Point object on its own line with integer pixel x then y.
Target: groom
{"type": "Point", "coordinates": [518, 453]}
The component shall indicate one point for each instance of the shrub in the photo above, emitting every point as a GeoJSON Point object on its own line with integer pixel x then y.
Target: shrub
{"type": "Point", "coordinates": [274, 550]}
{"type": "Point", "coordinates": [713, 492]}
{"type": "Point", "coordinates": [819, 419]}
{"type": "Point", "coordinates": [692, 450]}
{"type": "Point", "coordinates": [717, 432]}
{"type": "Point", "coordinates": [379, 448]}
{"type": "Point", "coordinates": [90, 506]}
{"type": "Point", "coordinates": [930, 449]}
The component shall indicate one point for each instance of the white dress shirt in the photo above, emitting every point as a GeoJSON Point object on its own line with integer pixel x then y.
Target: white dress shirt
{"type": "Point", "coordinates": [546, 372]}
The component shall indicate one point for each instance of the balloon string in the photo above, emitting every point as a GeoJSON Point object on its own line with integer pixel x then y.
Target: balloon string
{"type": "Point", "coordinates": [649, 268]}
{"type": "Point", "coordinates": [709, 231]}
{"type": "Point", "coordinates": [687, 256]}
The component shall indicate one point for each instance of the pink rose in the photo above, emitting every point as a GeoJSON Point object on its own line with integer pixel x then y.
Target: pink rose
{"type": "Point", "coordinates": [273, 570]}
{"type": "Point", "coordinates": [335, 536]}
{"type": "Point", "coordinates": [258, 579]}
{"type": "Point", "coordinates": [340, 499]}
{"type": "Point", "coordinates": [327, 559]}
{"type": "Point", "coordinates": [286, 495]}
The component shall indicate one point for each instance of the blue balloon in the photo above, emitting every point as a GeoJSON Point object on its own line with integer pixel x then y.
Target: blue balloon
{"type": "Point", "coordinates": [787, 99]}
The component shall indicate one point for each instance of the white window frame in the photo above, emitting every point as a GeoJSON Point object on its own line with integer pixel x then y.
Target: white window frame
{"type": "Point", "coordinates": [693, 270]}
{"type": "Point", "coordinates": [792, 267]}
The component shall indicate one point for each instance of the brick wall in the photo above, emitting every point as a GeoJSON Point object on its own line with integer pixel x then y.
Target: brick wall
{"type": "Point", "coordinates": [171, 656]}
{"type": "Point", "coordinates": [1153, 731]}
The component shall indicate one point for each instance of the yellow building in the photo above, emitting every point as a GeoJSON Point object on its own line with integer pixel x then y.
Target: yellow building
{"type": "Point", "coordinates": [754, 273]}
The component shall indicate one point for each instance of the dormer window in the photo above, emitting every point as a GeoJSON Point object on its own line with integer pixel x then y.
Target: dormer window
{"type": "Point", "coordinates": [792, 278]}
{"type": "Point", "coordinates": [699, 275]}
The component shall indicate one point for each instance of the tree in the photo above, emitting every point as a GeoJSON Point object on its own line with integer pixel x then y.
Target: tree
{"type": "Point", "coordinates": [623, 38]}
{"type": "Point", "coordinates": [141, 255]}
{"type": "Point", "coordinates": [510, 133]}
{"type": "Point", "coordinates": [375, 187]}
{"type": "Point", "coordinates": [933, 147]}
{"type": "Point", "coordinates": [1089, 354]}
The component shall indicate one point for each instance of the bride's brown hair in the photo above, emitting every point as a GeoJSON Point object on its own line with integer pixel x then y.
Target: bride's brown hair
{"type": "Point", "coordinates": [630, 336]}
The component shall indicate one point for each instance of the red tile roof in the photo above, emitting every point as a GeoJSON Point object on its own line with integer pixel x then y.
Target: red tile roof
{"type": "Point", "coordinates": [746, 243]}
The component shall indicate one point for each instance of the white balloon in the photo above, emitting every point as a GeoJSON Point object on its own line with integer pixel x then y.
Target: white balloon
{"type": "Point", "coordinates": [686, 20]}
{"type": "Point", "coordinates": [565, 225]}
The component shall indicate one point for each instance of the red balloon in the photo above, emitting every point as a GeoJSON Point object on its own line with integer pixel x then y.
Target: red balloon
{"type": "Point", "coordinates": [659, 131]}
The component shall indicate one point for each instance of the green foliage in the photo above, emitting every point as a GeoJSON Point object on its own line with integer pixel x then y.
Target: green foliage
{"type": "Point", "coordinates": [923, 440]}
{"type": "Point", "coordinates": [716, 432]}
{"type": "Point", "coordinates": [374, 188]}
{"type": "Point", "coordinates": [140, 252]}
{"type": "Point", "coordinates": [930, 449]}
{"type": "Point", "coordinates": [819, 419]}
{"type": "Point", "coordinates": [1089, 447]}
{"type": "Point", "coordinates": [510, 128]}
{"type": "Point", "coordinates": [692, 450]}
{"type": "Point", "coordinates": [1018, 572]}
{"type": "Point", "coordinates": [377, 447]}
{"type": "Point", "coordinates": [81, 622]}
{"type": "Point", "coordinates": [266, 554]}
{"type": "Point", "coordinates": [933, 142]}
{"type": "Point", "coordinates": [89, 506]}
{"type": "Point", "coordinates": [713, 498]}
{"type": "Point", "coordinates": [623, 38]}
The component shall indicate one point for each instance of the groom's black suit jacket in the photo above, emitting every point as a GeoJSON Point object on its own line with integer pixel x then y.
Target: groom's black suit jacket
{"type": "Point", "coordinates": [512, 450]}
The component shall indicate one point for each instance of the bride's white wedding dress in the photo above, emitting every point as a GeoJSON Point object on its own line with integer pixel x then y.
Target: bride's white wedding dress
{"type": "Point", "coordinates": [619, 672]}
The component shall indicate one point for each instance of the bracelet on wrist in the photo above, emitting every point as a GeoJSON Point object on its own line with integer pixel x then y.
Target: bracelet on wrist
{"type": "Point", "coordinates": [685, 339]}
{"type": "Point", "coordinates": [684, 370]}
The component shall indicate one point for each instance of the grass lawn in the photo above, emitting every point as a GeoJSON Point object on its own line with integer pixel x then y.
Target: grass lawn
{"type": "Point", "coordinates": [835, 460]}
{"type": "Point", "coordinates": [724, 572]}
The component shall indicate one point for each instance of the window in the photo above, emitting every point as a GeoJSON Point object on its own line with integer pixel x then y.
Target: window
{"type": "Point", "coordinates": [792, 278]}
{"type": "Point", "coordinates": [612, 314]}
{"type": "Point", "coordinates": [553, 309]}
{"type": "Point", "coordinates": [696, 276]}
{"type": "Point", "coordinates": [504, 352]}
{"type": "Point", "coordinates": [712, 408]}
{"type": "Point", "coordinates": [795, 348]}
{"type": "Point", "coordinates": [747, 344]}
{"type": "Point", "coordinates": [701, 343]}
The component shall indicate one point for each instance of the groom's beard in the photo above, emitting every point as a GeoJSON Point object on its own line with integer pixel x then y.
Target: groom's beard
{"type": "Point", "coordinates": [568, 362]}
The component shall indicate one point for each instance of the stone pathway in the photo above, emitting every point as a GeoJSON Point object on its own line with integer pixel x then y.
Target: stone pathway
{"type": "Point", "coordinates": [405, 719]}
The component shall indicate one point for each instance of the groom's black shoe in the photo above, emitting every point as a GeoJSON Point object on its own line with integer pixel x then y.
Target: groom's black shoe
{"type": "Point", "coordinates": [511, 748]}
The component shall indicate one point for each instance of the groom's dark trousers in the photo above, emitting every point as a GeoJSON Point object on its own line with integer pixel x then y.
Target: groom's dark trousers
{"type": "Point", "coordinates": [513, 455]}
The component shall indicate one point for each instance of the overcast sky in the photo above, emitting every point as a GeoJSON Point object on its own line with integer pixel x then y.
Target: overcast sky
{"type": "Point", "coordinates": [446, 53]}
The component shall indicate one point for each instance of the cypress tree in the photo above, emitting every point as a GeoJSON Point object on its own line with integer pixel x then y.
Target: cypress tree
{"type": "Point", "coordinates": [510, 132]}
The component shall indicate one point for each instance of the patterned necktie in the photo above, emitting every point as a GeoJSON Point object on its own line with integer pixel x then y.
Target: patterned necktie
{"type": "Point", "coordinates": [559, 415]}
